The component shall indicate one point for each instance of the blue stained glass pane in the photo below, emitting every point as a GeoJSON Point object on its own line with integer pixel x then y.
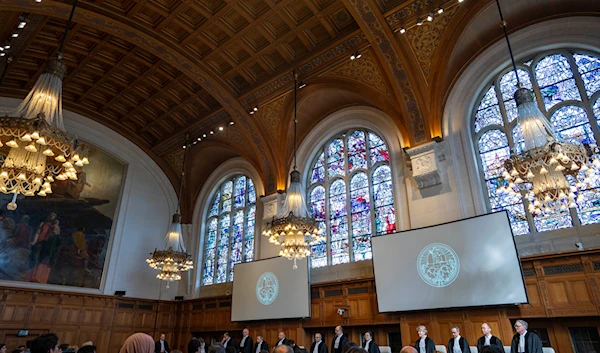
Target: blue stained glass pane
{"type": "Point", "coordinates": [249, 241]}
{"type": "Point", "coordinates": [383, 194]}
{"type": "Point", "coordinates": [489, 99]}
{"type": "Point", "coordinates": [359, 193]}
{"type": "Point", "coordinates": [211, 239]}
{"type": "Point", "coordinates": [224, 224]}
{"type": "Point", "coordinates": [226, 191]}
{"type": "Point", "coordinates": [596, 109]}
{"type": "Point", "coordinates": [493, 147]}
{"type": "Point", "coordinates": [357, 151]}
{"type": "Point", "coordinates": [214, 208]}
{"type": "Point", "coordinates": [339, 252]}
{"type": "Point", "coordinates": [518, 139]}
{"type": "Point", "coordinates": [488, 116]}
{"type": "Point", "coordinates": [385, 220]}
{"type": "Point", "coordinates": [251, 192]}
{"type": "Point", "coordinates": [237, 241]}
{"type": "Point", "coordinates": [240, 192]}
{"type": "Point", "coordinates": [508, 83]}
{"type": "Point", "coordinates": [209, 267]}
{"type": "Point", "coordinates": [318, 172]}
{"type": "Point", "coordinates": [554, 77]}
{"type": "Point", "coordinates": [552, 222]}
{"type": "Point", "coordinates": [361, 247]}
{"type": "Point", "coordinates": [572, 123]}
{"type": "Point", "coordinates": [589, 68]}
{"type": "Point", "coordinates": [318, 255]}
{"type": "Point", "coordinates": [335, 158]}
{"type": "Point", "coordinates": [377, 149]}
{"type": "Point", "coordinates": [588, 207]}
{"type": "Point", "coordinates": [338, 222]}
{"type": "Point", "coordinates": [361, 216]}
{"type": "Point", "coordinates": [317, 209]}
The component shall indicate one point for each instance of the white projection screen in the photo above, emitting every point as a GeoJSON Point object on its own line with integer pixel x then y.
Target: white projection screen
{"type": "Point", "coordinates": [270, 289]}
{"type": "Point", "coordinates": [472, 262]}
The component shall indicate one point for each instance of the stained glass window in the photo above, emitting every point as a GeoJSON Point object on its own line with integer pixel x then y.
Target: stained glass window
{"type": "Point", "coordinates": [354, 200]}
{"type": "Point", "coordinates": [558, 79]}
{"type": "Point", "coordinates": [230, 231]}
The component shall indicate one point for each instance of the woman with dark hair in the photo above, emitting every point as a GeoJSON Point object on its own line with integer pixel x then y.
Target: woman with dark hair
{"type": "Point", "coordinates": [349, 346]}
{"type": "Point", "coordinates": [2, 348]}
{"type": "Point", "coordinates": [370, 345]}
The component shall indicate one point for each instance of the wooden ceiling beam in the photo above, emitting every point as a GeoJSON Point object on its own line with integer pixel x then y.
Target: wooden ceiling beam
{"type": "Point", "coordinates": [87, 59]}
{"type": "Point", "coordinates": [210, 20]}
{"type": "Point", "coordinates": [173, 109]}
{"type": "Point", "coordinates": [138, 79]}
{"type": "Point", "coordinates": [150, 99]}
{"type": "Point", "coordinates": [176, 11]}
{"type": "Point", "coordinates": [25, 46]}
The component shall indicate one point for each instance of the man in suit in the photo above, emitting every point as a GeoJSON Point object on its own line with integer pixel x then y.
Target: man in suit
{"type": "Point", "coordinates": [457, 344]}
{"type": "Point", "coordinates": [228, 341]}
{"type": "Point", "coordinates": [318, 345]}
{"type": "Point", "coordinates": [281, 339]}
{"type": "Point", "coordinates": [489, 340]}
{"type": "Point", "coordinates": [246, 342]}
{"type": "Point", "coordinates": [524, 341]}
{"type": "Point", "coordinates": [161, 346]}
{"type": "Point", "coordinates": [260, 345]}
{"type": "Point", "coordinates": [339, 341]}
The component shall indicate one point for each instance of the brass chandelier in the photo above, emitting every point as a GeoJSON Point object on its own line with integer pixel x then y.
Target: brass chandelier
{"type": "Point", "coordinates": [35, 148]}
{"type": "Point", "coordinates": [174, 258]}
{"type": "Point", "coordinates": [550, 171]}
{"type": "Point", "coordinates": [293, 228]}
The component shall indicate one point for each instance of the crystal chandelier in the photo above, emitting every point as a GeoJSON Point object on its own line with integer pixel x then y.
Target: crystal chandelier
{"type": "Point", "coordinates": [293, 228]}
{"type": "Point", "coordinates": [174, 259]}
{"type": "Point", "coordinates": [38, 149]}
{"type": "Point", "coordinates": [551, 172]}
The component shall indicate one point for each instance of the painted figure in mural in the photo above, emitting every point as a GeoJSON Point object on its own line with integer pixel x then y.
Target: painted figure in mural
{"type": "Point", "coordinates": [74, 188]}
{"type": "Point", "coordinates": [14, 251]}
{"type": "Point", "coordinates": [44, 250]}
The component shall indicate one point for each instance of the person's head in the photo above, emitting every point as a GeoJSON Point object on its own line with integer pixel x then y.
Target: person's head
{"type": "Point", "coordinates": [485, 328]}
{"type": "Point", "coordinates": [521, 326]}
{"type": "Point", "coordinates": [455, 331]}
{"type": "Point", "coordinates": [2, 348]}
{"type": "Point", "coordinates": [318, 337]}
{"type": "Point", "coordinates": [225, 336]}
{"type": "Point", "coordinates": [201, 339]}
{"type": "Point", "coordinates": [281, 335]}
{"type": "Point", "coordinates": [486, 349]}
{"type": "Point", "coordinates": [368, 335]}
{"type": "Point", "coordinates": [87, 349]}
{"type": "Point", "coordinates": [422, 331]}
{"type": "Point", "coordinates": [408, 349]}
{"type": "Point", "coordinates": [259, 338]}
{"type": "Point", "coordinates": [162, 336]}
{"type": "Point", "coordinates": [230, 349]}
{"type": "Point", "coordinates": [284, 348]}
{"type": "Point", "coordinates": [291, 343]}
{"type": "Point", "coordinates": [348, 346]}
{"type": "Point", "coordinates": [88, 343]}
{"type": "Point", "coordinates": [216, 348]}
{"type": "Point", "coordinates": [47, 343]}
{"type": "Point", "coordinates": [21, 348]}
{"type": "Point", "coordinates": [245, 332]}
{"type": "Point", "coordinates": [339, 331]}
{"type": "Point", "coordinates": [356, 349]}
{"type": "Point", "coordinates": [194, 346]}
{"type": "Point", "coordinates": [138, 343]}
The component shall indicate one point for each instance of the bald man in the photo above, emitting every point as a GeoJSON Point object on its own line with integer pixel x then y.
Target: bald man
{"type": "Point", "coordinates": [281, 340]}
{"type": "Point", "coordinates": [489, 340]}
{"type": "Point", "coordinates": [318, 345]}
{"type": "Point", "coordinates": [246, 343]}
{"type": "Point", "coordinates": [408, 349]}
{"type": "Point", "coordinates": [339, 341]}
{"type": "Point", "coordinates": [284, 348]}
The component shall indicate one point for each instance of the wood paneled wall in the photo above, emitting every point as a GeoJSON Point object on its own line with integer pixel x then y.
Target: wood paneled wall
{"type": "Point", "coordinates": [563, 292]}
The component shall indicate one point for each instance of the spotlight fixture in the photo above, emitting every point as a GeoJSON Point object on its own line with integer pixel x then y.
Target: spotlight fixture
{"type": "Point", "coordinates": [231, 122]}
{"type": "Point", "coordinates": [460, 1]}
{"type": "Point", "coordinates": [38, 0]}
{"type": "Point", "coordinates": [15, 35]}
{"type": "Point", "coordinates": [212, 132]}
{"type": "Point", "coordinates": [195, 142]}
{"type": "Point", "coordinates": [440, 10]}
{"type": "Point", "coordinates": [430, 17]}
{"type": "Point", "coordinates": [2, 54]}
{"type": "Point", "coordinates": [353, 56]}
{"type": "Point", "coordinates": [199, 139]}
{"type": "Point", "coordinates": [22, 24]}
{"type": "Point", "coordinates": [402, 30]}
{"type": "Point", "coordinates": [301, 85]}
{"type": "Point", "coordinates": [7, 46]}
{"type": "Point", "coordinates": [204, 135]}
{"type": "Point", "coordinates": [251, 112]}
{"type": "Point", "coordinates": [419, 21]}
{"type": "Point", "coordinates": [220, 128]}
{"type": "Point", "coordinates": [255, 108]}
{"type": "Point", "coordinates": [184, 146]}
{"type": "Point", "coordinates": [1, 48]}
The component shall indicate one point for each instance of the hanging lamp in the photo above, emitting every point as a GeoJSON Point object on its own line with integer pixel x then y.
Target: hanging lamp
{"type": "Point", "coordinates": [35, 149]}
{"type": "Point", "coordinates": [174, 258]}
{"type": "Point", "coordinates": [541, 169]}
{"type": "Point", "coordinates": [293, 228]}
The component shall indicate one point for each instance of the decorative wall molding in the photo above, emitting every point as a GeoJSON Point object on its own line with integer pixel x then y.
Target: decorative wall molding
{"type": "Point", "coordinates": [271, 205]}
{"type": "Point", "coordinates": [272, 113]}
{"type": "Point", "coordinates": [175, 159]}
{"type": "Point", "coordinates": [410, 9]}
{"type": "Point", "coordinates": [424, 163]}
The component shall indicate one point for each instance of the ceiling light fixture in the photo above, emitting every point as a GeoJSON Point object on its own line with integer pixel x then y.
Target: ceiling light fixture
{"type": "Point", "coordinates": [440, 11]}
{"type": "Point", "coordinates": [402, 30]}
{"type": "Point", "coordinates": [430, 17]}
{"type": "Point", "coordinates": [419, 21]}
{"type": "Point", "coordinates": [301, 85]}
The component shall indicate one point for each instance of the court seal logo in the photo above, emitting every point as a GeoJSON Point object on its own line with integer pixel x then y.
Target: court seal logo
{"type": "Point", "coordinates": [438, 265]}
{"type": "Point", "coordinates": [267, 288]}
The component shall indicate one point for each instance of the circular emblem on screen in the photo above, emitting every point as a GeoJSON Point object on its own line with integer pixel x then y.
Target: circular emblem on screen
{"type": "Point", "coordinates": [438, 265]}
{"type": "Point", "coordinates": [267, 288]}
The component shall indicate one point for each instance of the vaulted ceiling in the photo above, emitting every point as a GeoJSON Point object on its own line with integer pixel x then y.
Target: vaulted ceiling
{"type": "Point", "coordinates": [156, 70]}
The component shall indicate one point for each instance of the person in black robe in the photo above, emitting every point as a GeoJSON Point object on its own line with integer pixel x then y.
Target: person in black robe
{"type": "Point", "coordinates": [260, 345]}
{"type": "Point", "coordinates": [489, 340]}
{"type": "Point", "coordinates": [322, 347]}
{"type": "Point", "coordinates": [281, 340]}
{"type": "Point", "coordinates": [339, 341]}
{"type": "Point", "coordinates": [424, 344]}
{"type": "Point", "coordinates": [457, 343]}
{"type": "Point", "coordinates": [246, 343]}
{"type": "Point", "coordinates": [228, 341]}
{"type": "Point", "coordinates": [524, 341]}
{"type": "Point", "coordinates": [370, 345]}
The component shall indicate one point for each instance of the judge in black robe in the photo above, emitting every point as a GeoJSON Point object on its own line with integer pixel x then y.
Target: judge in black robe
{"type": "Point", "coordinates": [322, 346]}
{"type": "Point", "coordinates": [339, 332]}
{"type": "Point", "coordinates": [260, 345]}
{"type": "Point", "coordinates": [429, 344]}
{"type": "Point", "coordinates": [281, 340]}
{"type": "Point", "coordinates": [246, 343]}
{"type": "Point", "coordinates": [495, 342]}
{"type": "Point", "coordinates": [462, 342]}
{"type": "Point", "coordinates": [533, 343]}
{"type": "Point", "coordinates": [369, 345]}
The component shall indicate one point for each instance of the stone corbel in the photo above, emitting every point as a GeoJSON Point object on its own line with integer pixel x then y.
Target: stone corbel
{"type": "Point", "coordinates": [424, 163]}
{"type": "Point", "coordinates": [271, 205]}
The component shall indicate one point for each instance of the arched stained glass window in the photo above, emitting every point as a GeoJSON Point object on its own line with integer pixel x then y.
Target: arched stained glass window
{"type": "Point", "coordinates": [351, 196]}
{"type": "Point", "coordinates": [567, 89]}
{"type": "Point", "coordinates": [230, 229]}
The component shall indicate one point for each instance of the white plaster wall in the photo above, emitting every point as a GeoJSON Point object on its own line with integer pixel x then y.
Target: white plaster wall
{"type": "Point", "coordinates": [148, 200]}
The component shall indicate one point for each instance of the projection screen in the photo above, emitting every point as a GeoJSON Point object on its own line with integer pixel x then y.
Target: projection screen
{"type": "Point", "coordinates": [270, 289]}
{"type": "Point", "coordinates": [472, 262]}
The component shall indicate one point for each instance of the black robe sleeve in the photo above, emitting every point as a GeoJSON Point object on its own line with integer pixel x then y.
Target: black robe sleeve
{"type": "Point", "coordinates": [465, 345]}
{"type": "Point", "coordinates": [534, 342]}
{"type": "Point", "coordinates": [247, 345]}
{"type": "Point", "coordinates": [429, 345]}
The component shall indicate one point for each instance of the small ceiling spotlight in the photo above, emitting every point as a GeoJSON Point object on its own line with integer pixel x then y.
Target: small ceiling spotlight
{"type": "Point", "coordinates": [199, 138]}
{"type": "Point", "coordinates": [220, 128]}
{"type": "Point", "coordinates": [402, 30]}
{"type": "Point", "coordinates": [22, 23]}
{"type": "Point", "coordinates": [38, 0]}
{"type": "Point", "coordinates": [204, 135]}
{"type": "Point", "coordinates": [419, 21]}
{"type": "Point", "coordinates": [6, 46]}
{"type": "Point", "coordinates": [212, 132]}
{"type": "Point", "coordinates": [440, 10]}
{"type": "Point", "coordinates": [430, 17]}
{"type": "Point", "coordinates": [184, 146]}
{"type": "Point", "coordinates": [15, 35]}
{"type": "Point", "coordinates": [255, 108]}
{"type": "Point", "coordinates": [356, 55]}
{"type": "Point", "coordinates": [301, 85]}
{"type": "Point", "coordinates": [460, 1]}
{"type": "Point", "coordinates": [2, 54]}
{"type": "Point", "coordinates": [231, 122]}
